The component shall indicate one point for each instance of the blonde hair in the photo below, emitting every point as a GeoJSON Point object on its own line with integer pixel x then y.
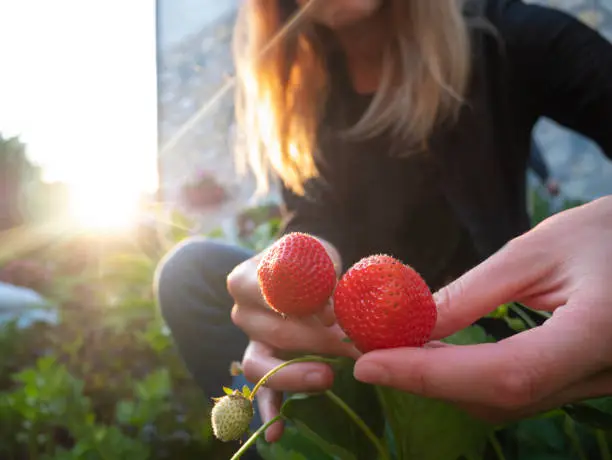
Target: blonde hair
{"type": "Point", "coordinates": [282, 83]}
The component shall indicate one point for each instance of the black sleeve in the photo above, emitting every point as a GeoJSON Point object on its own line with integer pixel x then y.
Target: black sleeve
{"type": "Point", "coordinates": [566, 68]}
{"type": "Point", "coordinates": [537, 162]}
{"type": "Point", "coordinates": [318, 212]}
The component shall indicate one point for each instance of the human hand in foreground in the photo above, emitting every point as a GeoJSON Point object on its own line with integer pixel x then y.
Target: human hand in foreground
{"type": "Point", "coordinates": [564, 266]}
{"type": "Point", "coordinates": [273, 337]}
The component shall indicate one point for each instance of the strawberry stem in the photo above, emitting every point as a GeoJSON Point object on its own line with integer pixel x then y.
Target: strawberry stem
{"type": "Point", "coordinates": [524, 316]}
{"type": "Point", "coordinates": [254, 437]}
{"type": "Point", "coordinates": [303, 359]}
{"type": "Point", "coordinates": [384, 455]}
{"type": "Point", "coordinates": [602, 442]}
{"type": "Point", "coordinates": [496, 447]}
{"type": "Point", "coordinates": [570, 430]}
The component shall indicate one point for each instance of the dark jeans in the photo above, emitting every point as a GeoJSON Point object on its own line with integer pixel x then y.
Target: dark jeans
{"type": "Point", "coordinates": [194, 302]}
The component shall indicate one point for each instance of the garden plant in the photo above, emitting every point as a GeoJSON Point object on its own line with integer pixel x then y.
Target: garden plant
{"type": "Point", "coordinates": [102, 378]}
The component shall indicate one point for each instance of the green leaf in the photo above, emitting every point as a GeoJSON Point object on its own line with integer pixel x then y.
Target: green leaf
{"type": "Point", "coordinates": [469, 336]}
{"type": "Point", "coordinates": [216, 233]}
{"type": "Point", "coordinates": [155, 386]}
{"type": "Point", "coordinates": [553, 413]}
{"type": "Point", "coordinates": [292, 446]}
{"type": "Point", "coordinates": [540, 436]}
{"type": "Point", "coordinates": [325, 445]}
{"type": "Point", "coordinates": [596, 413]}
{"type": "Point", "coordinates": [499, 312]}
{"type": "Point", "coordinates": [428, 429]}
{"type": "Point", "coordinates": [124, 412]}
{"type": "Point", "coordinates": [324, 423]}
{"type": "Point", "coordinates": [516, 324]}
{"type": "Point", "coordinates": [228, 391]}
{"type": "Point", "coordinates": [246, 391]}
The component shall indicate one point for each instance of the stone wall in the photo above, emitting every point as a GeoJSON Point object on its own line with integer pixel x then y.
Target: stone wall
{"type": "Point", "coordinates": [191, 75]}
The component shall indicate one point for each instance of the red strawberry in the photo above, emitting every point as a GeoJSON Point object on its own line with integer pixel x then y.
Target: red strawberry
{"type": "Point", "coordinates": [382, 303]}
{"type": "Point", "coordinates": [296, 275]}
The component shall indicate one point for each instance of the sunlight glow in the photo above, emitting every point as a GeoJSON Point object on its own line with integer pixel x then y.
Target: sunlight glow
{"type": "Point", "coordinates": [99, 208]}
{"type": "Point", "coordinates": [84, 100]}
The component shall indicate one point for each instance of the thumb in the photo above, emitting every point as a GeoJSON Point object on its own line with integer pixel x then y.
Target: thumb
{"type": "Point", "coordinates": [502, 278]}
{"type": "Point", "coordinates": [243, 285]}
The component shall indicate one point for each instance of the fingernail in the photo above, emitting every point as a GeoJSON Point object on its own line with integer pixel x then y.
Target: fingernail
{"type": "Point", "coordinates": [314, 379]}
{"type": "Point", "coordinates": [371, 373]}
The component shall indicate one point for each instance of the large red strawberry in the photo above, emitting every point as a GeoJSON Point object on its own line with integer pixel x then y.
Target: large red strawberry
{"type": "Point", "coordinates": [382, 303]}
{"type": "Point", "coordinates": [296, 275]}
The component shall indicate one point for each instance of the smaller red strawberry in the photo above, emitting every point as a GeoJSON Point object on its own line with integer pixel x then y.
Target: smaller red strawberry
{"type": "Point", "coordinates": [296, 275]}
{"type": "Point", "coordinates": [381, 303]}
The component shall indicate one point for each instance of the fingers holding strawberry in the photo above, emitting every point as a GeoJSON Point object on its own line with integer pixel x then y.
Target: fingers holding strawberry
{"type": "Point", "coordinates": [382, 303]}
{"type": "Point", "coordinates": [282, 297]}
{"type": "Point", "coordinates": [561, 266]}
{"type": "Point", "coordinates": [282, 302]}
{"type": "Point", "coordinates": [291, 334]}
{"type": "Point", "coordinates": [296, 277]}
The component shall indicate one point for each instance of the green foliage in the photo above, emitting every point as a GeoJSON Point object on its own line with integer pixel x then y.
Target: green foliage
{"type": "Point", "coordinates": [105, 381]}
{"type": "Point", "coordinates": [540, 207]}
{"type": "Point", "coordinates": [596, 413]}
{"type": "Point", "coordinates": [335, 432]}
{"type": "Point", "coordinates": [293, 446]}
{"type": "Point", "coordinates": [13, 157]}
{"type": "Point", "coordinates": [424, 428]}
{"type": "Point", "coordinates": [19, 178]}
{"type": "Point", "coordinates": [420, 428]}
{"type": "Point", "coordinates": [47, 398]}
{"type": "Point", "coordinates": [418, 424]}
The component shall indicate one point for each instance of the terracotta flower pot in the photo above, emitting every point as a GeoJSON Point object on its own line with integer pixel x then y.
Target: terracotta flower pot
{"type": "Point", "coordinates": [205, 193]}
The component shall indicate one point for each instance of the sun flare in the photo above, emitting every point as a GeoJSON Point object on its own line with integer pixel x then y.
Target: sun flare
{"type": "Point", "coordinates": [107, 208]}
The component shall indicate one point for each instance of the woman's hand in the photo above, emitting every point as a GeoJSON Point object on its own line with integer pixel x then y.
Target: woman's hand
{"type": "Point", "coordinates": [273, 336]}
{"type": "Point", "coordinates": [564, 265]}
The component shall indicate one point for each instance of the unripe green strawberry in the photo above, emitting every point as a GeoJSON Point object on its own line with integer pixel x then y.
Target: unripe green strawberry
{"type": "Point", "coordinates": [381, 303]}
{"type": "Point", "coordinates": [296, 275]}
{"type": "Point", "coordinates": [231, 416]}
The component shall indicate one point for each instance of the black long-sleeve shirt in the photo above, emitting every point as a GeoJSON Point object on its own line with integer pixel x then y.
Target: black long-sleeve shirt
{"type": "Point", "coordinates": [444, 210]}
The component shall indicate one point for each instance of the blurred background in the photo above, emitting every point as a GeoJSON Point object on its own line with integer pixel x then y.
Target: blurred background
{"type": "Point", "coordinates": [116, 131]}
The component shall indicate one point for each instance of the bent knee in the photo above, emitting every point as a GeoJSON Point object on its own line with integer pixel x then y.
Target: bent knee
{"type": "Point", "coordinates": [178, 267]}
{"type": "Point", "coordinates": [197, 266]}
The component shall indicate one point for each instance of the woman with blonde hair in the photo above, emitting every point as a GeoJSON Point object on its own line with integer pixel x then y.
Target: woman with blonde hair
{"type": "Point", "coordinates": [404, 127]}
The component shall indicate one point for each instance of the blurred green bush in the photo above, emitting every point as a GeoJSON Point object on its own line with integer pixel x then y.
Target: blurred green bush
{"type": "Point", "coordinates": [104, 381]}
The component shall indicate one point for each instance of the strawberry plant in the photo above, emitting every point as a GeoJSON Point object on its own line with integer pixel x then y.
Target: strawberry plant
{"type": "Point", "coordinates": [104, 380]}
{"type": "Point", "coordinates": [381, 303]}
